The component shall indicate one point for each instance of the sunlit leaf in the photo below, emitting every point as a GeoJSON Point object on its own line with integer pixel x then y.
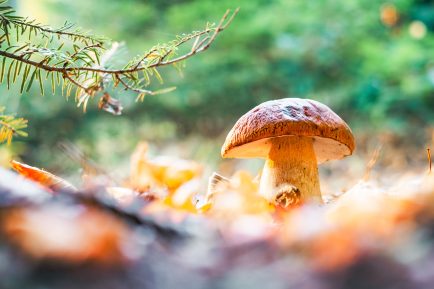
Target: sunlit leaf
{"type": "Point", "coordinates": [42, 177]}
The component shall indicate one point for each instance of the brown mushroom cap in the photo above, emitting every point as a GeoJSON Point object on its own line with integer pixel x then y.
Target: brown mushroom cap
{"type": "Point", "coordinates": [289, 117]}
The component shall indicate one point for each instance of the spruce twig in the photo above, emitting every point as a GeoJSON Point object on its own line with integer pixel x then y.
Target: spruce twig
{"type": "Point", "coordinates": [74, 56]}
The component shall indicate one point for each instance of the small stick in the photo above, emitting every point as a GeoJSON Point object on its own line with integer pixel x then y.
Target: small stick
{"type": "Point", "coordinates": [428, 151]}
{"type": "Point", "coordinates": [372, 162]}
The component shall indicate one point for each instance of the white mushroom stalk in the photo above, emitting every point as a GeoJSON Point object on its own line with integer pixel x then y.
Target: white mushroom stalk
{"type": "Point", "coordinates": [290, 173]}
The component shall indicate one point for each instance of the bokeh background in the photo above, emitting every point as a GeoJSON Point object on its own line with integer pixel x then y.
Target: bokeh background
{"type": "Point", "coordinates": [371, 61]}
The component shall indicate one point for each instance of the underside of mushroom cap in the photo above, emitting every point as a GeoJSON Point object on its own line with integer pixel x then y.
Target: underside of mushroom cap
{"type": "Point", "coordinates": [250, 136]}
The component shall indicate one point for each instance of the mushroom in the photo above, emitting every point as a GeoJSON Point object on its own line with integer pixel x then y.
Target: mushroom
{"type": "Point", "coordinates": [293, 135]}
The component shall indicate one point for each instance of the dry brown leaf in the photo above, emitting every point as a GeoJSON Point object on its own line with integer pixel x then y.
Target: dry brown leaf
{"type": "Point", "coordinates": [182, 198]}
{"type": "Point", "coordinates": [141, 174]}
{"type": "Point", "coordinates": [237, 197]}
{"type": "Point", "coordinates": [44, 178]}
{"type": "Point", "coordinates": [73, 234]}
{"type": "Point", "coordinates": [167, 172]}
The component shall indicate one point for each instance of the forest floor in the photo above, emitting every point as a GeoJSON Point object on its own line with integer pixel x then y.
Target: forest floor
{"type": "Point", "coordinates": [159, 229]}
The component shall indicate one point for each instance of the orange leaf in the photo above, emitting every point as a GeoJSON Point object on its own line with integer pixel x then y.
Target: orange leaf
{"type": "Point", "coordinates": [42, 177]}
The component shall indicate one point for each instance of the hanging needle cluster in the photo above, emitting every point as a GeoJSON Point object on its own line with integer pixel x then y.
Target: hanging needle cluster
{"type": "Point", "coordinates": [11, 126]}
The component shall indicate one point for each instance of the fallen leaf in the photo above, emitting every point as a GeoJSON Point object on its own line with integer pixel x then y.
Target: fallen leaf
{"type": "Point", "coordinates": [44, 178]}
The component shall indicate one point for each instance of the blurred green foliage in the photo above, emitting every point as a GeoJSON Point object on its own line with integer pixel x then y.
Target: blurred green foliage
{"type": "Point", "coordinates": [373, 67]}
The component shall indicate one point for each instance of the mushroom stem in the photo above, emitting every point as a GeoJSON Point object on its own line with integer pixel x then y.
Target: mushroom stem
{"type": "Point", "coordinates": [290, 174]}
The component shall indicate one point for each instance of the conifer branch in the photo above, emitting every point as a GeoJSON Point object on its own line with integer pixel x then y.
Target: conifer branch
{"type": "Point", "coordinates": [75, 57]}
{"type": "Point", "coordinates": [11, 126]}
